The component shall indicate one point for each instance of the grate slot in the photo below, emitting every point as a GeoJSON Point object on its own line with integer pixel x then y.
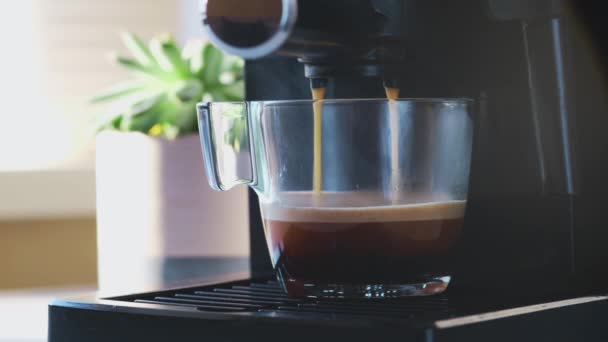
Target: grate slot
{"type": "Point", "coordinates": [253, 293]}
{"type": "Point", "coordinates": [247, 296]}
{"type": "Point", "coordinates": [227, 299]}
{"type": "Point", "coordinates": [266, 286]}
{"type": "Point", "coordinates": [259, 290]}
{"type": "Point", "coordinates": [198, 307]}
{"type": "Point", "coordinates": [207, 302]}
{"type": "Point", "coordinates": [148, 301]}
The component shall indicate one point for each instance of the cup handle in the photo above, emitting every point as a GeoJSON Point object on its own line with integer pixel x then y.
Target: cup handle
{"type": "Point", "coordinates": [225, 138]}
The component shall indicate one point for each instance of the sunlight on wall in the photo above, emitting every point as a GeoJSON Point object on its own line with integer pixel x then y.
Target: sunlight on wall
{"type": "Point", "coordinates": [29, 136]}
{"type": "Point", "coordinates": [54, 57]}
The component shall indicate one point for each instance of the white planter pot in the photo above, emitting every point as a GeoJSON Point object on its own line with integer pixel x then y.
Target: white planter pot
{"type": "Point", "coordinates": [153, 202]}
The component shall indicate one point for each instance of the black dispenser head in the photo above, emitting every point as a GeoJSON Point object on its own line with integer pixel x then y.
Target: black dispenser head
{"type": "Point", "coordinates": [250, 29]}
{"type": "Point", "coordinates": [330, 37]}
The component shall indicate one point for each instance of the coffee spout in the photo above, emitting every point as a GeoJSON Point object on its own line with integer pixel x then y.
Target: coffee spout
{"type": "Point", "coordinates": [329, 37]}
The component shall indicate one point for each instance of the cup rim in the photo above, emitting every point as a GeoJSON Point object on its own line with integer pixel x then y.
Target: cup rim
{"type": "Point", "coordinates": [445, 100]}
{"type": "Point", "coordinates": [400, 99]}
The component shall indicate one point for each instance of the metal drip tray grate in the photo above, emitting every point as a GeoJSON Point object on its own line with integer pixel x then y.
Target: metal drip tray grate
{"type": "Point", "coordinates": [267, 297]}
{"type": "Point", "coordinates": [259, 310]}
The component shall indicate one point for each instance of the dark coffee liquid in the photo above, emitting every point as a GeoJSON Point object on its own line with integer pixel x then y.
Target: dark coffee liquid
{"type": "Point", "coordinates": [399, 244]}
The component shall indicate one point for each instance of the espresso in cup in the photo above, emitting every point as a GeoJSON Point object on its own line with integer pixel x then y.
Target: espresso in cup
{"type": "Point", "coordinates": [359, 244]}
{"type": "Point", "coordinates": [386, 230]}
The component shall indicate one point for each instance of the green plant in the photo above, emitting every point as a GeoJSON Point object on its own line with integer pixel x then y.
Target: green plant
{"type": "Point", "coordinates": [168, 83]}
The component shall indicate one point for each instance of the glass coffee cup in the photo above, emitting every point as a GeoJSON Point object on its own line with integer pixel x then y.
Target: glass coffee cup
{"type": "Point", "coordinates": [365, 198]}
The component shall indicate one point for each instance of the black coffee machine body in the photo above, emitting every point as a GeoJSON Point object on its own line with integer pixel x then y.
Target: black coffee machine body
{"type": "Point", "coordinates": [534, 68]}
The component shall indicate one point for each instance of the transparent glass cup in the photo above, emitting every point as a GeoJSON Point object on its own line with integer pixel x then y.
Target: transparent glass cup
{"type": "Point", "coordinates": [364, 199]}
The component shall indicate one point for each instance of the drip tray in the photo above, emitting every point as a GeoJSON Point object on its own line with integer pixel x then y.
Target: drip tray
{"type": "Point", "coordinates": [260, 310]}
{"type": "Point", "coordinates": [265, 297]}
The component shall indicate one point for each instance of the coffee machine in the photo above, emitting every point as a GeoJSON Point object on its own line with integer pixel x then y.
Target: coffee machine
{"type": "Point", "coordinates": [532, 255]}
{"type": "Point", "coordinates": [536, 180]}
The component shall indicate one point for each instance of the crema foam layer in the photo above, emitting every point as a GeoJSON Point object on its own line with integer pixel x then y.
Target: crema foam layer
{"type": "Point", "coordinates": [435, 210]}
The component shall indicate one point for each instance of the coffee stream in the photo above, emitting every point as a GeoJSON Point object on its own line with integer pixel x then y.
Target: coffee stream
{"type": "Point", "coordinates": [392, 94]}
{"type": "Point", "coordinates": [318, 94]}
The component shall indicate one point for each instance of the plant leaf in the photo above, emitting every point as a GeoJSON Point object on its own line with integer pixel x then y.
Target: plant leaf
{"type": "Point", "coordinates": [118, 90]}
{"type": "Point", "coordinates": [141, 123]}
{"type": "Point", "coordinates": [138, 49]}
{"type": "Point", "coordinates": [189, 90]}
{"type": "Point", "coordinates": [166, 130]}
{"type": "Point", "coordinates": [116, 122]}
{"type": "Point", "coordinates": [146, 105]}
{"type": "Point", "coordinates": [170, 110]}
{"type": "Point", "coordinates": [108, 121]}
{"type": "Point", "coordinates": [217, 95]}
{"type": "Point", "coordinates": [133, 65]}
{"type": "Point", "coordinates": [235, 91]}
{"type": "Point", "coordinates": [160, 58]}
{"type": "Point", "coordinates": [232, 63]}
{"type": "Point", "coordinates": [192, 54]}
{"type": "Point", "coordinates": [235, 66]}
{"type": "Point", "coordinates": [168, 57]}
{"type": "Point", "coordinates": [212, 59]}
{"type": "Point", "coordinates": [186, 118]}
{"type": "Point", "coordinates": [145, 114]}
{"type": "Point", "coordinates": [173, 82]}
{"type": "Point", "coordinates": [170, 131]}
{"type": "Point", "coordinates": [174, 57]}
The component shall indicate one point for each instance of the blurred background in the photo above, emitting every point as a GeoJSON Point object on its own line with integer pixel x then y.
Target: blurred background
{"type": "Point", "coordinates": [54, 58]}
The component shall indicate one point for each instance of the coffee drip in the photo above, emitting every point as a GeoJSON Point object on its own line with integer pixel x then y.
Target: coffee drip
{"type": "Point", "coordinates": [317, 89]}
{"type": "Point", "coordinates": [395, 178]}
{"type": "Point", "coordinates": [318, 94]}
